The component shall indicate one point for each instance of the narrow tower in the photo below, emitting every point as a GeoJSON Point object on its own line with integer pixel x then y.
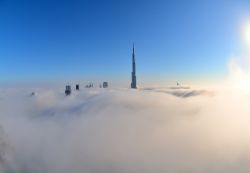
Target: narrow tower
{"type": "Point", "coordinates": [133, 83]}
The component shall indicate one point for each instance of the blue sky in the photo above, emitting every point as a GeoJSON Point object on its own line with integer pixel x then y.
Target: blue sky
{"type": "Point", "coordinates": [84, 40]}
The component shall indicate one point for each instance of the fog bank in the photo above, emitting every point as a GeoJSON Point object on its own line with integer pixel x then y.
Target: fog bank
{"type": "Point", "coordinates": [119, 130]}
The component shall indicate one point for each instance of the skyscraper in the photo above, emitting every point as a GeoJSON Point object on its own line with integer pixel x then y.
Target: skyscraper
{"type": "Point", "coordinates": [133, 83]}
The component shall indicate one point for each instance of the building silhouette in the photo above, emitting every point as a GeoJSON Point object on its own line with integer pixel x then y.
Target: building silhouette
{"type": "Point", "coordinates": [77, 87]}
{"type": "Point", "coordinates": [105, 85]}
{"type": "Point", "coordinates": [68, 90]}
{"type": "Point", "coordinates": [133, 74]}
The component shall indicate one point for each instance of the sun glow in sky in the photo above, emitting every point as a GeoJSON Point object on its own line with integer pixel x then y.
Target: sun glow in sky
{"type": "Point", "coordinates": [246, 33]}
{"type": "Point", "coordinates": [239, 65]}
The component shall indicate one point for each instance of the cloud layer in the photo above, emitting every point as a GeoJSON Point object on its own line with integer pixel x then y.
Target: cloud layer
{"type": "Point", "coordinates": [118, 130]}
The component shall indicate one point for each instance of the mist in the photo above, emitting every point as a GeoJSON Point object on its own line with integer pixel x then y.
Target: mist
{"type": "Point", "coordinates": [120, 130]}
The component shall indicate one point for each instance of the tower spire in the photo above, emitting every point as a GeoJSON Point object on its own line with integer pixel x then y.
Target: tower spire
{"type": "Point", "coordinates": [133, 54]}
{"type": "Point", "coordinates": [133, 48]}
{"type": "Point", "coordinates": [133, 74]}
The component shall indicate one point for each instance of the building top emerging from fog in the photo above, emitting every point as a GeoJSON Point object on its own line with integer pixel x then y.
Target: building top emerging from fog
{"type": "Point", "coordinates": [133, 74]}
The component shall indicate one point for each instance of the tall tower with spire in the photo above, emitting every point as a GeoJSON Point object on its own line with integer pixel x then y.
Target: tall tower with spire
{"type": "Point", "coordinates": [133, 83]}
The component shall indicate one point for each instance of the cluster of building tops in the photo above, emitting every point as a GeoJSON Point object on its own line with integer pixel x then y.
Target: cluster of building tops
{"type": "Point", "coordinates": [68, 89]}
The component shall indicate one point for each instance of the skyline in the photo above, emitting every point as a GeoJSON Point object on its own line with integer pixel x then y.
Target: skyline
{"type": "Point", "coordinates": [74, 40]}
